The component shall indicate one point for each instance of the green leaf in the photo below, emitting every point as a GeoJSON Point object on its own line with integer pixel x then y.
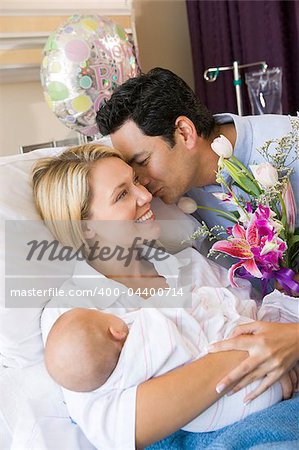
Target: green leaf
{"type": "Point", "coordinates": [293, 250]}
{"type": "Point", "coordinates": [243, 168]}
{"type": "Point", "coordinates": [294, 255]}
{"type": "Point", "coordinates": [293, 240]}
{"type": "Point", "coordinates": [284, 222]}
{"type": "Point", "coordinates": [296, 232]}
{"type": "Point", "coordinates": [236, 214]}
{"type": "Point", "coordinates": [242, 179]}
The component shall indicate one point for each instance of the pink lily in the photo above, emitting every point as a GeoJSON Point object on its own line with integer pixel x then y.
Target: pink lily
{"type": "Point", "coordinates": [239, 246]}
{"type": "Point", "coordinates": [290, 205]}
{"type": "Point", "coordinates": [257, 246]}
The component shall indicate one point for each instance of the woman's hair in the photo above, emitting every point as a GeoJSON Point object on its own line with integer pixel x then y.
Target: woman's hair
{"type": "Point", "coordinates": [62, 192]}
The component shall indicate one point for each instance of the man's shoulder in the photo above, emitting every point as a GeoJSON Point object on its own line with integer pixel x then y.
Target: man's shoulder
{"type": "Point", "coordinates": [277, 123]}
{"type": "Point", "coordinates": [270, 125]}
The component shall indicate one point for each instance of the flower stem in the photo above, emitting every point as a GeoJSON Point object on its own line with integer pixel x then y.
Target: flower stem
{"type": "Point", "coordinates": [284, 215]}
{"type": "Point", "coordinates": [229, 216]}
{"type": "Point", "coordinates": [234, 196]}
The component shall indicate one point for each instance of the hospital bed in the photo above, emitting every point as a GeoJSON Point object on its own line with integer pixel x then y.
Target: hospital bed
{"type": "Point", "coordinates": [33, 415]}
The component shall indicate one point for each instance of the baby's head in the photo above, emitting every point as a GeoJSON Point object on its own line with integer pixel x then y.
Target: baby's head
{"type": "Point", "coordinates": [83, 348]}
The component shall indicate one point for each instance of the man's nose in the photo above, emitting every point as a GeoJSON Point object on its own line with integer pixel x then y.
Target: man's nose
{"type": "Point", "coordinates": [144, 180]}
{"type": "Point", "coordinates": [142, 175]}
{"type": "Point", "coordinates": [143, 195]}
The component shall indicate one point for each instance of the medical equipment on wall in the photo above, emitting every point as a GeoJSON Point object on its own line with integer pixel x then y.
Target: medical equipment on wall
{"type": "Point", "coordinates": [212, 73]}
{"type": "Point", "coordinates": [264, 90]}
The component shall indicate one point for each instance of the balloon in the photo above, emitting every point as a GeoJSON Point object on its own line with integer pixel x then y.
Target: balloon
{"type": "Point", "coordinates": [83, 62]}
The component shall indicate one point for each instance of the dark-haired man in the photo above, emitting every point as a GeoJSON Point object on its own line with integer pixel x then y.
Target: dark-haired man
{"type": "Point", "coordinates": [165, 132]}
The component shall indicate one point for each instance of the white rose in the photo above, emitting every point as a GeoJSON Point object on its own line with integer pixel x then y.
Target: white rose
{"type": "Point", "coordinates": [187, 205]}
{"type": "Point", "coordinates": [222, 146]}
{"type": "Point", "coordinates": [265, 174]}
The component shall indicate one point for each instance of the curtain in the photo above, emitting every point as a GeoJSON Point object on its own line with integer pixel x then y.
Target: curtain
{"type": "Point", "coordinates": [247, 31]}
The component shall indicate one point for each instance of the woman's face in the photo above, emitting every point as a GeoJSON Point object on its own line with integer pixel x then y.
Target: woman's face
{"type": "Point", "coordinates": [118, 197]}
{"type": "Point", "coordinates": [117, 193]}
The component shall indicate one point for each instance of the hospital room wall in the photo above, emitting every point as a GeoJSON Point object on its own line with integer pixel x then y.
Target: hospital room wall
{"type": "Point", "coordinates": [163, 40]}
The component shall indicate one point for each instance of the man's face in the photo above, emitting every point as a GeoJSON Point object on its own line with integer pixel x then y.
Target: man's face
{"type": "Point", "coordinates": [165, 171]}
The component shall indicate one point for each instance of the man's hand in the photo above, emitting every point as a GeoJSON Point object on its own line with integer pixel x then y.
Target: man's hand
{"type": "Point", "coordinates": [273, 350]}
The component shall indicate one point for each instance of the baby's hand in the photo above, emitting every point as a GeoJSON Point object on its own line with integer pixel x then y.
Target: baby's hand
{"type": "Point", "coordinates": [289, 382]}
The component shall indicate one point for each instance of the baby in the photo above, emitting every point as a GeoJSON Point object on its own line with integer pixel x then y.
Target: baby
{"type": "Point", "coordinates": [83, 348]}
{"type": "Point", "coordinates": [87, 349]}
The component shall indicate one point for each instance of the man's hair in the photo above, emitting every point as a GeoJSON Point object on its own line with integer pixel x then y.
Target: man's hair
{"type": "Point", "coordinates": [154, 101]}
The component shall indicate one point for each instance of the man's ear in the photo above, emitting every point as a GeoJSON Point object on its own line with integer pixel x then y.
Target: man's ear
{"type": "Point", "coordinates": [186, 130]}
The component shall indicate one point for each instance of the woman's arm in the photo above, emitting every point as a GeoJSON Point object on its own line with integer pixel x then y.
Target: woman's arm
{"type": "Point", "coordinates": [273, 350]}
{"type": "Point", "coordinates": [166, 403]}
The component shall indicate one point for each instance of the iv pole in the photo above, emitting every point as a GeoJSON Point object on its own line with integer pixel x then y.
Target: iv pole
{"type": "Point", "coordinates": [212, 73]}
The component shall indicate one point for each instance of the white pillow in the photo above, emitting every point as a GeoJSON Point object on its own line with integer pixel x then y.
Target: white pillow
{"type": "Point", "coordinates": [20, 335]}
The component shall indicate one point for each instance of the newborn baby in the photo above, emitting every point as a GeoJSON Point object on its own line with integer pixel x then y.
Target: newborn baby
{"type": "Point", "coordinates": [87, 348]}
{"type": "Point", "coordinates": [83, 348]}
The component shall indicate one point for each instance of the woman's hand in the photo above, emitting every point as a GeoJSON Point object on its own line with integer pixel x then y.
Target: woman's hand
{"type": "Point", "coordinates": [273, 350]}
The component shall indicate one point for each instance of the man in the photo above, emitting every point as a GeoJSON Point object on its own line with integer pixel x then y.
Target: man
{"type": "Point", "coordinates": [165, 132]}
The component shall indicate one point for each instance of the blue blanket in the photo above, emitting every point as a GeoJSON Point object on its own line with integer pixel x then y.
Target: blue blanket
{"type": "Point", "coordinates": [276, 427]}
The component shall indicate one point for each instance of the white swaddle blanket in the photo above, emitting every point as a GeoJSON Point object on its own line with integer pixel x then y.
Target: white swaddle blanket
{"type": "Point", "coordinates": [107, 415]}
{"type": "Point", "coordinates": [35, 412]}
{"type": "Point", "coordinates": [162, 339]}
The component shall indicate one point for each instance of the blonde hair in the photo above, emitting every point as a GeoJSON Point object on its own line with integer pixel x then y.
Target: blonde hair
{"type": "Point", "coordinates": [62, 193]}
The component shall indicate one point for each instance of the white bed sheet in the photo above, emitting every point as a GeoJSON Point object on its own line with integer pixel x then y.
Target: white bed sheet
{"type": "Point", "coordinates": [5, 437]}
{"type": "Point", "coordinates": [33, 413]}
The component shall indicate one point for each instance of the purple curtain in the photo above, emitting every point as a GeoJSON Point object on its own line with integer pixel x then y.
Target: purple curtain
{"type": "Point", "coordinates": [247, 31]}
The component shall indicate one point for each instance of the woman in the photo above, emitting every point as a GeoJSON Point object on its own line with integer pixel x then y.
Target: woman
{"type": "Point", "coordinates": [95, 185]}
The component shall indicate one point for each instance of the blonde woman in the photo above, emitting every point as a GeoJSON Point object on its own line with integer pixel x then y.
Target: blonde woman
{"type": "Point", "coordinates": [83, 196]}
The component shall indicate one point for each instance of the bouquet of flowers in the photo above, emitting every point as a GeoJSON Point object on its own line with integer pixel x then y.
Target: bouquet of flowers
{"type": "Point", "coordinates": [262, 236]}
